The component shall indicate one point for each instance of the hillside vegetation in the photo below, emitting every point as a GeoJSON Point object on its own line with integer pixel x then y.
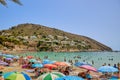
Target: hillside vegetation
{"type": "Point", "coordinates": [33, 37]}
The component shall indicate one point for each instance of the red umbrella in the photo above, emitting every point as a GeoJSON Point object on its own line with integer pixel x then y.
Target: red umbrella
{"type": "Point", "coordinates": [88, 67]}
{"type": "Point", "coordinates": [50, 66]}
{"type": "Point", "coordinates": [29, 57]}
{"type": "Point", "coordinates": [61, 64]}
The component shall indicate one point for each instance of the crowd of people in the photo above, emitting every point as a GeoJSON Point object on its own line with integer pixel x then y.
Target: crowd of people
{"type": "Point", "coordinates": [66, 70]}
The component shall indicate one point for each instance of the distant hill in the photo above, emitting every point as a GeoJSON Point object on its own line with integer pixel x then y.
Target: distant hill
{"type": "Point", "coordinates": [34, 37]}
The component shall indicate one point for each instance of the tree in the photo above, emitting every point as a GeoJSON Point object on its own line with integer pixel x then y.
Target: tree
{"type": "Point", "coordinates": [3, 2]}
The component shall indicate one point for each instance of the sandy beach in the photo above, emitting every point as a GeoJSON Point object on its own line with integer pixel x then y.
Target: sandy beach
{"type": "Point", "coordinates": [19, 66]}
{"type": "Point", "coordinates": [16, 67]}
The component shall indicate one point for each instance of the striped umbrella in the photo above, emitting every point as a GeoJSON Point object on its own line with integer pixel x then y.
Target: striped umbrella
{"type": "Point", "coordinates": [50, 76]}
{"type": "Point", "coordinates": [16, 76]}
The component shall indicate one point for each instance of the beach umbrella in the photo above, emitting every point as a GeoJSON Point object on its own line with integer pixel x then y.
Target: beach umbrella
{"type": "Point", "coordinates": [88, 67]}
{"type": "Point", "coordinates": [70, 78]}
{"type": "Point", "coordinates": [46, 61]}
{"type": "Point", "coordinates": [60, 64]}
{"type": "Point", "coordinates": [9, 56]}
{"type": "Point", "coordinates": [114, 78]}
{"type": "Point", "coordinates": [30, 57]}
{"type": "Point", "coordinates": [1, 54]}
{"type": "Point", "coordinates": [50, 76]}
{"type": "Point", "coordinates": [3, 63]}
{"type": "Point", "coordinates": [107, 69]}
{"type": "Point", "coordinates": [80, 64]}
{"type": "Point", "coordinates": [9, 59]}
{"type": "Point", "coordinates": [32, 60]}
{"type": "Point", "coordinates": [16, 76]}
{"type": "Point", "coordinates": [37, 65]}
{"type": "Point", "coordinates": [50, 66]}
{"type": "Point", "coordinates": [16, 57]}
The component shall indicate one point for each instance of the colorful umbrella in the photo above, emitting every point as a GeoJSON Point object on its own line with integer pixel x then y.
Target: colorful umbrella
{"type": "Point", "coordinates": [88, 67]}
{"type": "Point", "coordinates": [60, 64]}
{"type": "Point", "coordinates": [50, 66]}
{"type": "Point", "coordinates": [9, 56]}
{"type": "Point", "coordinates": [80, 64]}
{"type": "Point", "coordinates": [32, 60]}
{"type": "Point", "coordinates": [107, 69]}
{"type": "Point", "coordinates": [70, 78]}
{"type": "Point", "coordinates": [1, 54]}
{"type": "Point", "coordinates": [114, 78]}
{"type": "Point", "coordinates": [37, 65]}
{"type": "Point", "coordinates": [9, 59]}
{"type": "Point", "coordinates": [46, 61]}
{"type": "Point", "coordinates": [16, 57]}
{"type": "Point", "coordinates": [3, 63]}
{"type": "Point", "coordinates": [50, 76]}
{"type": "Point", "coordinates": [30, 57]}
{"type": "Point", "coordinates": [16, 76]}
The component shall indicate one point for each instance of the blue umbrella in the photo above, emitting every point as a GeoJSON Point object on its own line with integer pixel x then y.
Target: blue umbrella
{"type": "Point", "coordinates": [46, 61]}
{"type": "Point", "coordinates": [37, 65]}
{"type": "Point", "coordinates": [70, 78]}
{"type": "Point", "coordinates": [114, 78]}
{"type": "Point", "coordinates": [80, 64]}
{"type": "Point", "coordinates": [107, 69]}
{"type": "Point", "coordinates": [9, 56]}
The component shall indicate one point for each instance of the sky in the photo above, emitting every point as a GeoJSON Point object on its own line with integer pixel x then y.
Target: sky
{"type": "Point", "coordinates": [97, 19]}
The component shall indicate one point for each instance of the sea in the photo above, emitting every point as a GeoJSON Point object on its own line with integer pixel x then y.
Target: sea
{"type": "Point", "coordinates": [96, 59]}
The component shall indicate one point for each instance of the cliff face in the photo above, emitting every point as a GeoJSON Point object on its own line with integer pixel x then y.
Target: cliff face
{"type": "Point", "coordinates": [27, 37]}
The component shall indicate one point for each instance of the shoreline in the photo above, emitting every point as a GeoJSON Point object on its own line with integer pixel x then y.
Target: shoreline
{"type": "Point", "coordinates": [22, 52]}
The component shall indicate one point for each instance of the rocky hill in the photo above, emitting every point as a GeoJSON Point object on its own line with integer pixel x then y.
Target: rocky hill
{"type": "Point", "coordinates": [33, 37]}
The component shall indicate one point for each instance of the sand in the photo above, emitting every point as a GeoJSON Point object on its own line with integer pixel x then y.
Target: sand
{"type": "Point", "coordinates": [16, 67]}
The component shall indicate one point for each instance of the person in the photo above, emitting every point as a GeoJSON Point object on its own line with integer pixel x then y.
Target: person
{"type": "Point", "coordinates": [115, 66]}
{"type": "Point", "coordinates": [36, 72]}
{"type": "Point", "coordinates": [66, 72]}
{"type": "Point", "coordinates": [1, 77]}
{"type": "Point", "coordinates": [82, 74]}
{"type": "Point", "coordinates": [88, 76]}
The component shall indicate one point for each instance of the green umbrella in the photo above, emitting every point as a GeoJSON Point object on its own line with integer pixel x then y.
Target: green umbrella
{"type": "Point", "coordinates": [50, 76]}
{"type": "Point", "coordinates": [32, 60]}
{"type": "Point", "coordinates": [16, 76]}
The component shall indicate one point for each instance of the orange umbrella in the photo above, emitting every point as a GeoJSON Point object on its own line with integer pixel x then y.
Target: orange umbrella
{"type": "Point", "coordinates": [50, 66]}
{"type": "Point", "coordinates": [60, 64]}
{"type": "Point", "coordinates": [29, 57]}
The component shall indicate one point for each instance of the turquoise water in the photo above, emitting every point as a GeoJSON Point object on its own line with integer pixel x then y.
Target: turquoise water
{"type": "Point", "coordinates": [99, 58]}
